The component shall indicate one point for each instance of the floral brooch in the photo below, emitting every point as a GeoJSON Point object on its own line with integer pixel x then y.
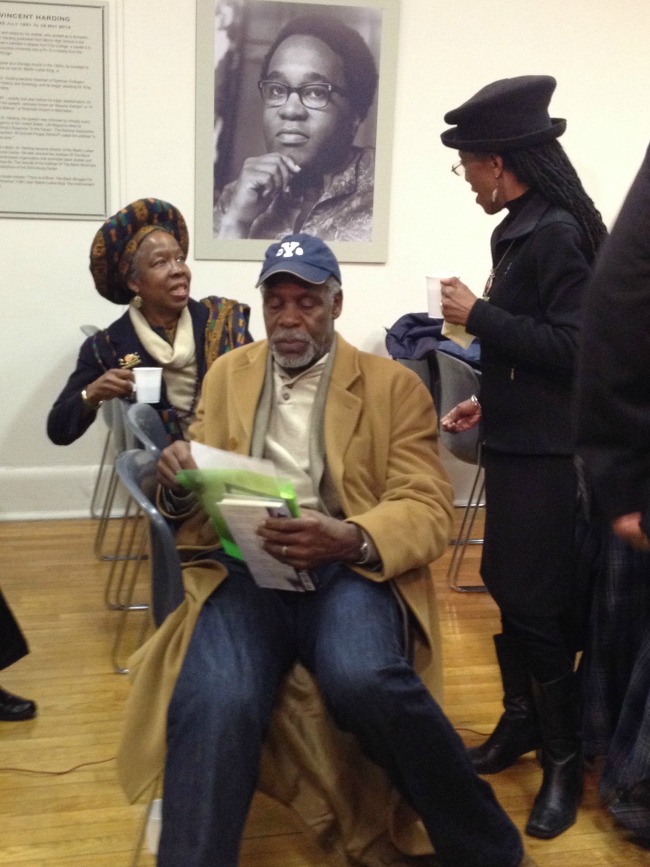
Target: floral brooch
{"type": "Point", "coordinates": [131, 359]}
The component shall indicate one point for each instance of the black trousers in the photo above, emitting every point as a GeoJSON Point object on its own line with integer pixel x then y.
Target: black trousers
{"type": "Point", "coordinates": [547, 641]}
{"type": "Point", "coordinates": [530, 562]}
{"type": "Point", "coordinates": [12, 641]}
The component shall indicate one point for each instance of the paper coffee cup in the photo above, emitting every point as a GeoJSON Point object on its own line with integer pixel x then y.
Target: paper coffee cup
{"type": "Point", "coordinates": [147, 384]}
{"type": "Point", "coordinates": [434, 296]}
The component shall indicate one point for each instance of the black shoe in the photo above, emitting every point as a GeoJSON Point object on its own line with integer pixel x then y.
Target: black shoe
{"type": "Point", "coordinates": [14, 708]}
{"type": "Point", "coordinates": [514, 736]}
{"type": "Point", "coordinates": [556, 805]}
{"type": "Point", "coordinates": [517, 732]}
{"type": "Point", "coordinates": [558, 711]}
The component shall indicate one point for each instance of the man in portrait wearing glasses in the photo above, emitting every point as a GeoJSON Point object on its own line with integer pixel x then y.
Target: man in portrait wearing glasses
{"type": "Point", "coordinates": [318, 81]}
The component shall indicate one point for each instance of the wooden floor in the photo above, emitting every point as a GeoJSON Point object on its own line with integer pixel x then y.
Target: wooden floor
{"type": "Point", "coordinates": [60, 804]}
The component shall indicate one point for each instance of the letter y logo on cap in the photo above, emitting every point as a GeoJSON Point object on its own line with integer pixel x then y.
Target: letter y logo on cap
{"type": "Point", "coordinates": [289, 249]}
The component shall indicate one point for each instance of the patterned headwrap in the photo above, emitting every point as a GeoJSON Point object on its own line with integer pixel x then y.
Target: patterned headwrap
{"type": "Point", "coordinates": [120, 236]}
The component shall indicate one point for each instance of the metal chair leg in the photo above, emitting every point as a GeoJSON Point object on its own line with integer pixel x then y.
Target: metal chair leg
{"type": "Point", "coordinates": [94, 513]}
{"type": "Point", "coordinates": [120, 441]}
{"type": "Point", "coordinates": [144, 627]}
{"type": "Point", "coordinates": [127, 605]}
{"type": "Point", "coordinates": [465, 537]}
{"type": "Point", "coordinates": [142, 830]}
{"type": "Point", "coordinates": [125, 553]}
{"type": "Point", "coordinates": [105, 516]}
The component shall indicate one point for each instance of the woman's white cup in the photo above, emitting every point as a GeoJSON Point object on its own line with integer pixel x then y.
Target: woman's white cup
{"type": "Point", "coordinates": [147, 384]}
{"type": "Point", "coordinates": [434, 296]}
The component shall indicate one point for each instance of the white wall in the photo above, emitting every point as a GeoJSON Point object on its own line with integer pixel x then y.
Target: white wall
{"type": "Point", "coordinates": [447, 51]}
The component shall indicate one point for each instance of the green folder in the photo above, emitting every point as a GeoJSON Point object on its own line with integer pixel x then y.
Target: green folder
{"type": "Point", "coordinates": [212, 485]}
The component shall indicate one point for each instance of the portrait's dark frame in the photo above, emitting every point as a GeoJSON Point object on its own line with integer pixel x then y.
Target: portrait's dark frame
{"type": "Point", "coordinates": [228, 127]}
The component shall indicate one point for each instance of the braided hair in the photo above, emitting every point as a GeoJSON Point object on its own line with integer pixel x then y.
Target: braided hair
{"type": "Point", "coordinates": [547, 169]}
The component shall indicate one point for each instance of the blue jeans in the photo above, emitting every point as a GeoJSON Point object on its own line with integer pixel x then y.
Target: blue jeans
{"type": "Point", "coordinates": [350, 635]}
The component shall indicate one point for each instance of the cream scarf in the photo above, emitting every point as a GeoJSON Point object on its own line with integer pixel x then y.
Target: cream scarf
{"type": "Point", "coordinates": [178, 361]}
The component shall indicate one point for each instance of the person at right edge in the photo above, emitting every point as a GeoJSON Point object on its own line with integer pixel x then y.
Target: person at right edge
{"type": "Point", "coordinates": [528, 322]}
{"type": "Point", "coordinates": [613, 430]}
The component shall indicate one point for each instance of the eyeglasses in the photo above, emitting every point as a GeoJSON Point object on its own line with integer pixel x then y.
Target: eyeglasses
{"type": "Point", "coordinates": [460, 168]}
{"type": "Point", "coordinates": [317, 95]}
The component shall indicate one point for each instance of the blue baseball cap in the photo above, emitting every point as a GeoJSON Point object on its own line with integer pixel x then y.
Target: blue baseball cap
{"type": "Point", "coordinates": [303, 256]}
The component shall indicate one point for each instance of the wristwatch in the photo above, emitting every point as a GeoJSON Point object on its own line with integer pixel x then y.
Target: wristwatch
{"type": "Point", "coordinates": [364, 554]}
{"type": "Point", "coordinates": [88, 402]}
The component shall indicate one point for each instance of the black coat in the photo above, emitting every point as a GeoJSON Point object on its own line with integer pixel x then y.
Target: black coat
{"type": "Point", "coordinates": [529, 329]}
{"type": "Point", "coordinates": [12, 642]}
{"type": "Point", "coordinates": [529, 332]}
{"type": "Point", "coordinates": [614, 372]}
{"type": "Point", "coordinates": [69, 418]}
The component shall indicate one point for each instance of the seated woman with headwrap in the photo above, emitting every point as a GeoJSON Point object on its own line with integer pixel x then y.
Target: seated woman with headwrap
{"type": "Point", "coordinates": [138, 258]}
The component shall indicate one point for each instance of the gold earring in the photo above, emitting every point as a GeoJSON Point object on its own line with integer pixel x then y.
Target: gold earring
{"type": "Point", "coordinates": [137, 301]}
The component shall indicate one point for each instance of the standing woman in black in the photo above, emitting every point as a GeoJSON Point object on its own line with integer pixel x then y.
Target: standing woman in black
{"type": "Point", "coordinates": [528, 323]}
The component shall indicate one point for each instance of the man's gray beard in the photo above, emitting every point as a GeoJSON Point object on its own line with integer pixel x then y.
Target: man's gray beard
{"type": "Point", "coordinates": [310, 353]}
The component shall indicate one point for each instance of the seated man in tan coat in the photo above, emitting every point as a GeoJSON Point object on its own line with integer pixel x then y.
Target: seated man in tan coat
{"type": "Point", "coordinates": [356, 434]}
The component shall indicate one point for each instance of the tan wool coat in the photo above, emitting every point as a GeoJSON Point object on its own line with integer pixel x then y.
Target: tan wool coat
{"type": "Point", "coordinates": [381, 452]}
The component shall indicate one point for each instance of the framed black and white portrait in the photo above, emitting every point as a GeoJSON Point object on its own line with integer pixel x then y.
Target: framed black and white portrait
{"type": "Point", "coordinates": [294, 125]}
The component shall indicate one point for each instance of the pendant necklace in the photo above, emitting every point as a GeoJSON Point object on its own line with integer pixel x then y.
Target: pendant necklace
{"type": "Point", "coordinates": [494, 269]}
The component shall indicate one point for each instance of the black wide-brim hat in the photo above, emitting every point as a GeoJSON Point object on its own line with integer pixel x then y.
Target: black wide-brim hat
{"type": "Point", "coordinates": [507, 115]}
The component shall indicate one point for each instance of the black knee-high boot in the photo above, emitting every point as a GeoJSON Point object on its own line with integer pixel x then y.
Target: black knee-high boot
{"type": "Point", "coordinates": [517, 732]}
{"type": "Point", "coordinates": [558, 711]}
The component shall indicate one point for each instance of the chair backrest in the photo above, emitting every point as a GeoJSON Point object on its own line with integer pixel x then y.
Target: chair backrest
{"type": "Point", "coordinates": [421, 367]}
{"type": "Point", "coordinates": [137, 470]}
{"type": "Point", "coordinates": [458, 381]}
{"type": "Point", "coordinates": [106, 413]}
{"type": "Point", "coordinates": [147, 427]}
{"type": "Point", "coordinates": [123, 436]}
{"type": "Point", "coordinates": [89, 330]}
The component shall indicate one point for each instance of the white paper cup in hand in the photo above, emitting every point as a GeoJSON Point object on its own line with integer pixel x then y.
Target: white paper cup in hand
{"type": "Point", "coordinates": [434, 296]}
{"type": "Point", "coordinates": [147, 384]}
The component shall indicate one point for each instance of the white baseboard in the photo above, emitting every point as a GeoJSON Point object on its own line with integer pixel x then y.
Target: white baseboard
{"type": "Point", "coordinates": [46, 493]}
{"type": "Point", "coordinates": [41, 493]}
